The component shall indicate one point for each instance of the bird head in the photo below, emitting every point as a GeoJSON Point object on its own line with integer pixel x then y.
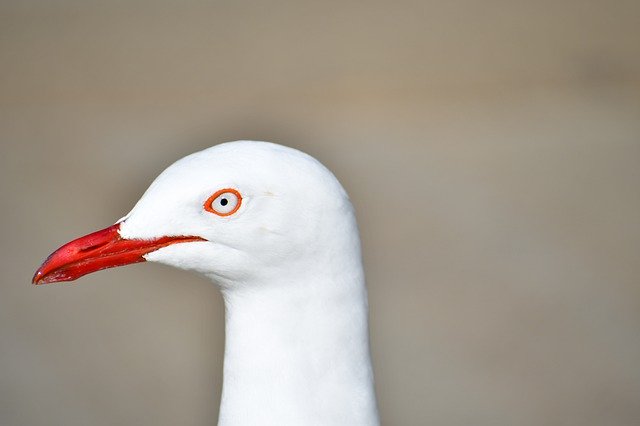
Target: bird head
{"type": "Point", "coordinates": [230, 212]}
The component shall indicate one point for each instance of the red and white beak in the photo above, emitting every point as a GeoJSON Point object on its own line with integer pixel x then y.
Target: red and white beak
{"type": "Point", "coordinates": [100, 250]}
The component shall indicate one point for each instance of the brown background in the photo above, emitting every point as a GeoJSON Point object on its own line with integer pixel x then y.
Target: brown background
{"type": "Point", "coordinates": [492, 150]}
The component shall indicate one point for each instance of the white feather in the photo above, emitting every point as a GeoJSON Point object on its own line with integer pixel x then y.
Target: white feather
{"type": "Point", "coordinates": [288, 263]}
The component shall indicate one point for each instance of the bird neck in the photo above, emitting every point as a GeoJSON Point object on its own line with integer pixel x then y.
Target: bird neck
{"type": "Point", "coordinates": [297, 353]}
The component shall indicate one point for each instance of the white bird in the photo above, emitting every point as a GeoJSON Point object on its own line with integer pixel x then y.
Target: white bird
{"type": "Point", "coordinates": [275, 230]}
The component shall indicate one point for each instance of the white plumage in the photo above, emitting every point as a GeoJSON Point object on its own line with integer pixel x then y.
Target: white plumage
{"type": "Point", "coordinates": [289, 266]}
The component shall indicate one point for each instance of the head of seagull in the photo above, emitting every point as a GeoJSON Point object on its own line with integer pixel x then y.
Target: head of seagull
{"type": "Point", "coordinates": [237, 212]}
{"type": "Point", "coordinates": [276, 231]}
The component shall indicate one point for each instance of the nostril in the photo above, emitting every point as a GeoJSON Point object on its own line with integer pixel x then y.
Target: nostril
{"type": "Point", "coordinates": [93, 247]}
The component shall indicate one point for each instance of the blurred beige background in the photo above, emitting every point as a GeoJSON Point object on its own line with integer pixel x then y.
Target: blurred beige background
{"type": "Point", "coordinates": [492, 151]}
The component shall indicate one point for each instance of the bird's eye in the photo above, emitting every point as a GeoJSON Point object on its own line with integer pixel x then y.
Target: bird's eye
{"type": "Point", "coordinates": [224, 202]}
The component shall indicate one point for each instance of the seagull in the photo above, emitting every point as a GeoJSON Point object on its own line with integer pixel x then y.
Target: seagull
{"type": "Point", "coordinates": [275, 231]}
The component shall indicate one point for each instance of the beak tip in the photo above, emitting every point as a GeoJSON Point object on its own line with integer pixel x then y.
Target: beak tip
{"type": "Point", "coordinates": [37, 278]}
{"type": "Point", "coordinates": [41, 278]}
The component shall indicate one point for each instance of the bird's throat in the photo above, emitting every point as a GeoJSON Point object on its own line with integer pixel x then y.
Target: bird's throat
{"type": "Point", "coordinates": [298, 354]}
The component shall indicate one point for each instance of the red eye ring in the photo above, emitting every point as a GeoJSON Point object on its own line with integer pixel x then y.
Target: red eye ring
{"type": "Point", "coordinates": [208, 205]}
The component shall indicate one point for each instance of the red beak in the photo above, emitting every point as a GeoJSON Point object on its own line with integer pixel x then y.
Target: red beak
{"type": "Point", "coordinates": [99, 250]}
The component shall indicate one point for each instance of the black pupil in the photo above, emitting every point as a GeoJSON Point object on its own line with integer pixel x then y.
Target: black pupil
{"type": "Point", "coordinates": [224, 201]}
